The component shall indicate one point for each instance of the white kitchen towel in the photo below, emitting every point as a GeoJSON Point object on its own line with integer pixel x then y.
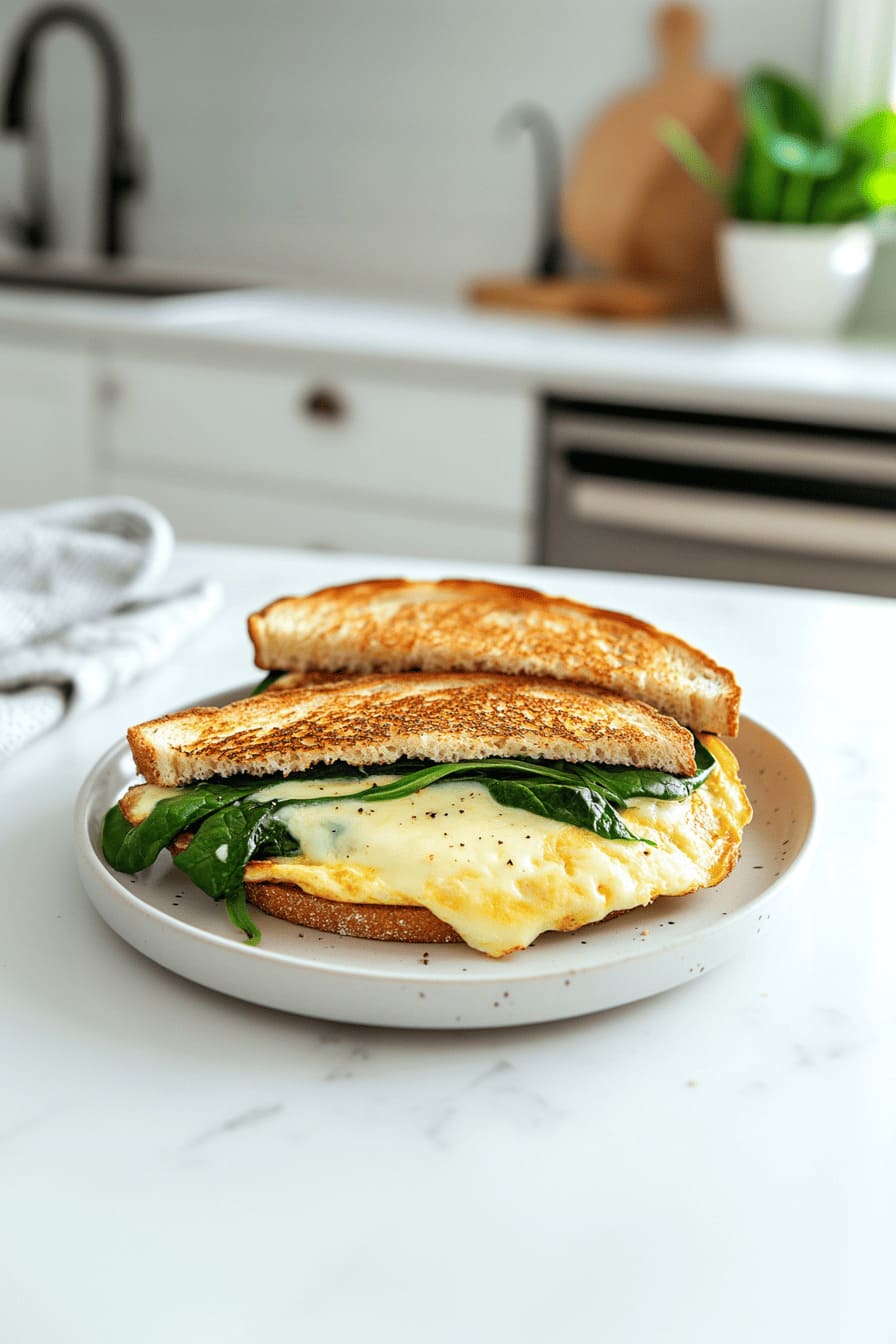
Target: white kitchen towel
{"type": "Point", "coordinates": [81, 608]}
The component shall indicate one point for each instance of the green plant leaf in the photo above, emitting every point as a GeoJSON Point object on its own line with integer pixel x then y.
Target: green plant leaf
{"type": "Point", "coordinates": [806, 158]}
{"type": "Point", "coordinates": [773, 104]}
{"type": "Point", "coordinates": [796, 199]}
{"type": "Point", "coordinates": [784, 136]}
{"type": "Point", "coordinates": [693, 158]}
{"type": "Point", "coordinates": [756, 189]}
{"type": "Point", "coordinates": [874, 134]}
{"type": "Point", "coordinates": [758, 186]}
{"type": "Point", "coordinates": [842, 205]}
{"type": "Point", "coordinates": [879, 188]}
{"type": "Point", "coordinates": [841, 197]}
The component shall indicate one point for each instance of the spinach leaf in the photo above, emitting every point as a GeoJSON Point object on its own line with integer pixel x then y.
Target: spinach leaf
{"type": "Point", "coordinates": [225, 842]}
{"type": "Point", "coordinates": [267, 682]}
{"type": "Point", "coordinates": [422, 778]}
{"type": "Point", "coordinates": [339, 772]}
{"type": "Point", "coordinates": [551, 790]}
{"type": "Point", "coordinates": [129, 848]}
{"type": "Point", "coordinates": [238, 911]}
{"type": "Point", "coordinates": [578, 794]}
{"type": "Point", "coordinates": [620, 784]}
{"type": "Point", "coordinates": [276, 840]}
{"type": "Point", "coordinates": [576, 806]}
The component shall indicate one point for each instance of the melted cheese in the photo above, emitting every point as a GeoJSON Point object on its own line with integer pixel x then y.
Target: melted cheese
{"type": "Point", "coordinates": [143, 798]}
{"type": "Point", "coordinates": [498, 875]}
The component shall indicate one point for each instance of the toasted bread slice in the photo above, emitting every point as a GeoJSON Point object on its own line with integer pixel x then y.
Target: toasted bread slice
{"type": "Point", "coordinates": [385, 923]}
{"type": "Point", "coordinates": [395, 625]}
{"type": "Point", "coordinates": [375, 720]}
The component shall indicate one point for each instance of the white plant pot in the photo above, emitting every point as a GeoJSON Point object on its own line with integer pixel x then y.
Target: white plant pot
{"type": "Point", "coordinates": [794, 279]}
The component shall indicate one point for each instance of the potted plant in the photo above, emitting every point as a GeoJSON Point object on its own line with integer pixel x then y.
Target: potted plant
{"type": "Point", "coordinates": [797, 246]}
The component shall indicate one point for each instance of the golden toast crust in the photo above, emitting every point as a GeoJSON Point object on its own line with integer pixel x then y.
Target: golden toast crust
{"type": "Point", "coordinates": [375, 720]}
{"type": "Point", "coordinates": [396, 625]}
{"type": "Point", "coordinates": [386, 923]}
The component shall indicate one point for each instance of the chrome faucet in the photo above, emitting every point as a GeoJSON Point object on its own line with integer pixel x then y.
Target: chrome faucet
{"type": "Point", "coordinates": [119, 175]}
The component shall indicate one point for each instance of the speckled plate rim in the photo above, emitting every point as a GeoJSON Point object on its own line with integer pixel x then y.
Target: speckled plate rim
{"type": "Point", "coordinates": [411, 985]}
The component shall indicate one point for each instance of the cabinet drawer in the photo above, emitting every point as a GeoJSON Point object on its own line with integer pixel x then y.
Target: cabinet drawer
{"type": "Point", "coordinates": [250, 428]}
{"type": "Point", "coordinates": [45, 422]}
{"type": "Point", "coordinates": [210, 513]}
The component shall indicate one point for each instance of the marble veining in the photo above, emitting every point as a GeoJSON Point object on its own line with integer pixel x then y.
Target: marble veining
{"type": "Point", "coordinates": [714, 1163]}
{"type": "Point", "coordinates": [255, 1115]}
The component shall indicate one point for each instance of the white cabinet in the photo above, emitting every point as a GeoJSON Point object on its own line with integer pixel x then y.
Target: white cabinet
{"type": "Point", "coordinates": [280, 452]}
{"type": "Point", "coordinates": [290, 518]}
{"type": "Point", "coordinates": [287, 456]}
{"type": "Point", "coordinates": [46, 408]}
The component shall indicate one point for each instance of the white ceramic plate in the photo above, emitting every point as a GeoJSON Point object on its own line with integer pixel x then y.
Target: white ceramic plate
{"type": "Point", "coordinates": [165, 917]}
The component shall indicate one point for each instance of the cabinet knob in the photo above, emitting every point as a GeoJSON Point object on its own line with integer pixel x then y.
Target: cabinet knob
{"type": "Point", "coordinates": [323, 403]}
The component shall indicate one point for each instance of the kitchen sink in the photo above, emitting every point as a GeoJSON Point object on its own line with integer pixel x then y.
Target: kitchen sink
{"type": "Point", "coordinates": [125, 283]}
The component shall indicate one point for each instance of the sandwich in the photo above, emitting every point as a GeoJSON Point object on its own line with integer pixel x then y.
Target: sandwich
{"type": "Point", "coordinates": [454, 762]}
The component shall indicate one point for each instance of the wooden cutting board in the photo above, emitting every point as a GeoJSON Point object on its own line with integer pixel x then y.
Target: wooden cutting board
{"type": "Point", "coordinates": [585, 297]}
{"type": "Point", "coordinates": [629, 207]}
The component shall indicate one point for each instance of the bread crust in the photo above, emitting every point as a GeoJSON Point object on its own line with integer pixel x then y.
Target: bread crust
{"type": "Point", "coordinates": [375, 720]}
{"type": "Point", "coordinates": [385, 923]}
{"type": "Point", "coordinates": [395, 625]}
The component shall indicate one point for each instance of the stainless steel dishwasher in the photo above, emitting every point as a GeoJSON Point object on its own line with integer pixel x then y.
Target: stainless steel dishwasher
{"type": "Point", "coordinates": [718, 496]}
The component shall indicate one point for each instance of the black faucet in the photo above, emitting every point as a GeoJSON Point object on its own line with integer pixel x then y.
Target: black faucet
{"type": "Point", "coordinates": [550, 251]}
{"type": "Point", "coordinates": [119, 174]}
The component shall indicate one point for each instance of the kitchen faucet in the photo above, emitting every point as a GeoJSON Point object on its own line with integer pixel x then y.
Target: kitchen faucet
{"type": "Point", "coordinates": [119, 173]}
{"type": "Point", "coordinates": [550, 259]}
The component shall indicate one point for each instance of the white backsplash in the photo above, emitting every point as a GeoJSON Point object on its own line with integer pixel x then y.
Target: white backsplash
{"type": "Point", "coordinates": [353, 144]}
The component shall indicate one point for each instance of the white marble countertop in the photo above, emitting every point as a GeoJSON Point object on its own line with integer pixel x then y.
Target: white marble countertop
{"type": "Point", "coordinates": [715, 1163]}
{"type": "Point", "coordinates": [697, 366]}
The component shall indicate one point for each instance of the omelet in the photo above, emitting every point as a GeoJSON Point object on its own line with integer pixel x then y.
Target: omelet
{"type": "Point", "coordinates": [500, 876]}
